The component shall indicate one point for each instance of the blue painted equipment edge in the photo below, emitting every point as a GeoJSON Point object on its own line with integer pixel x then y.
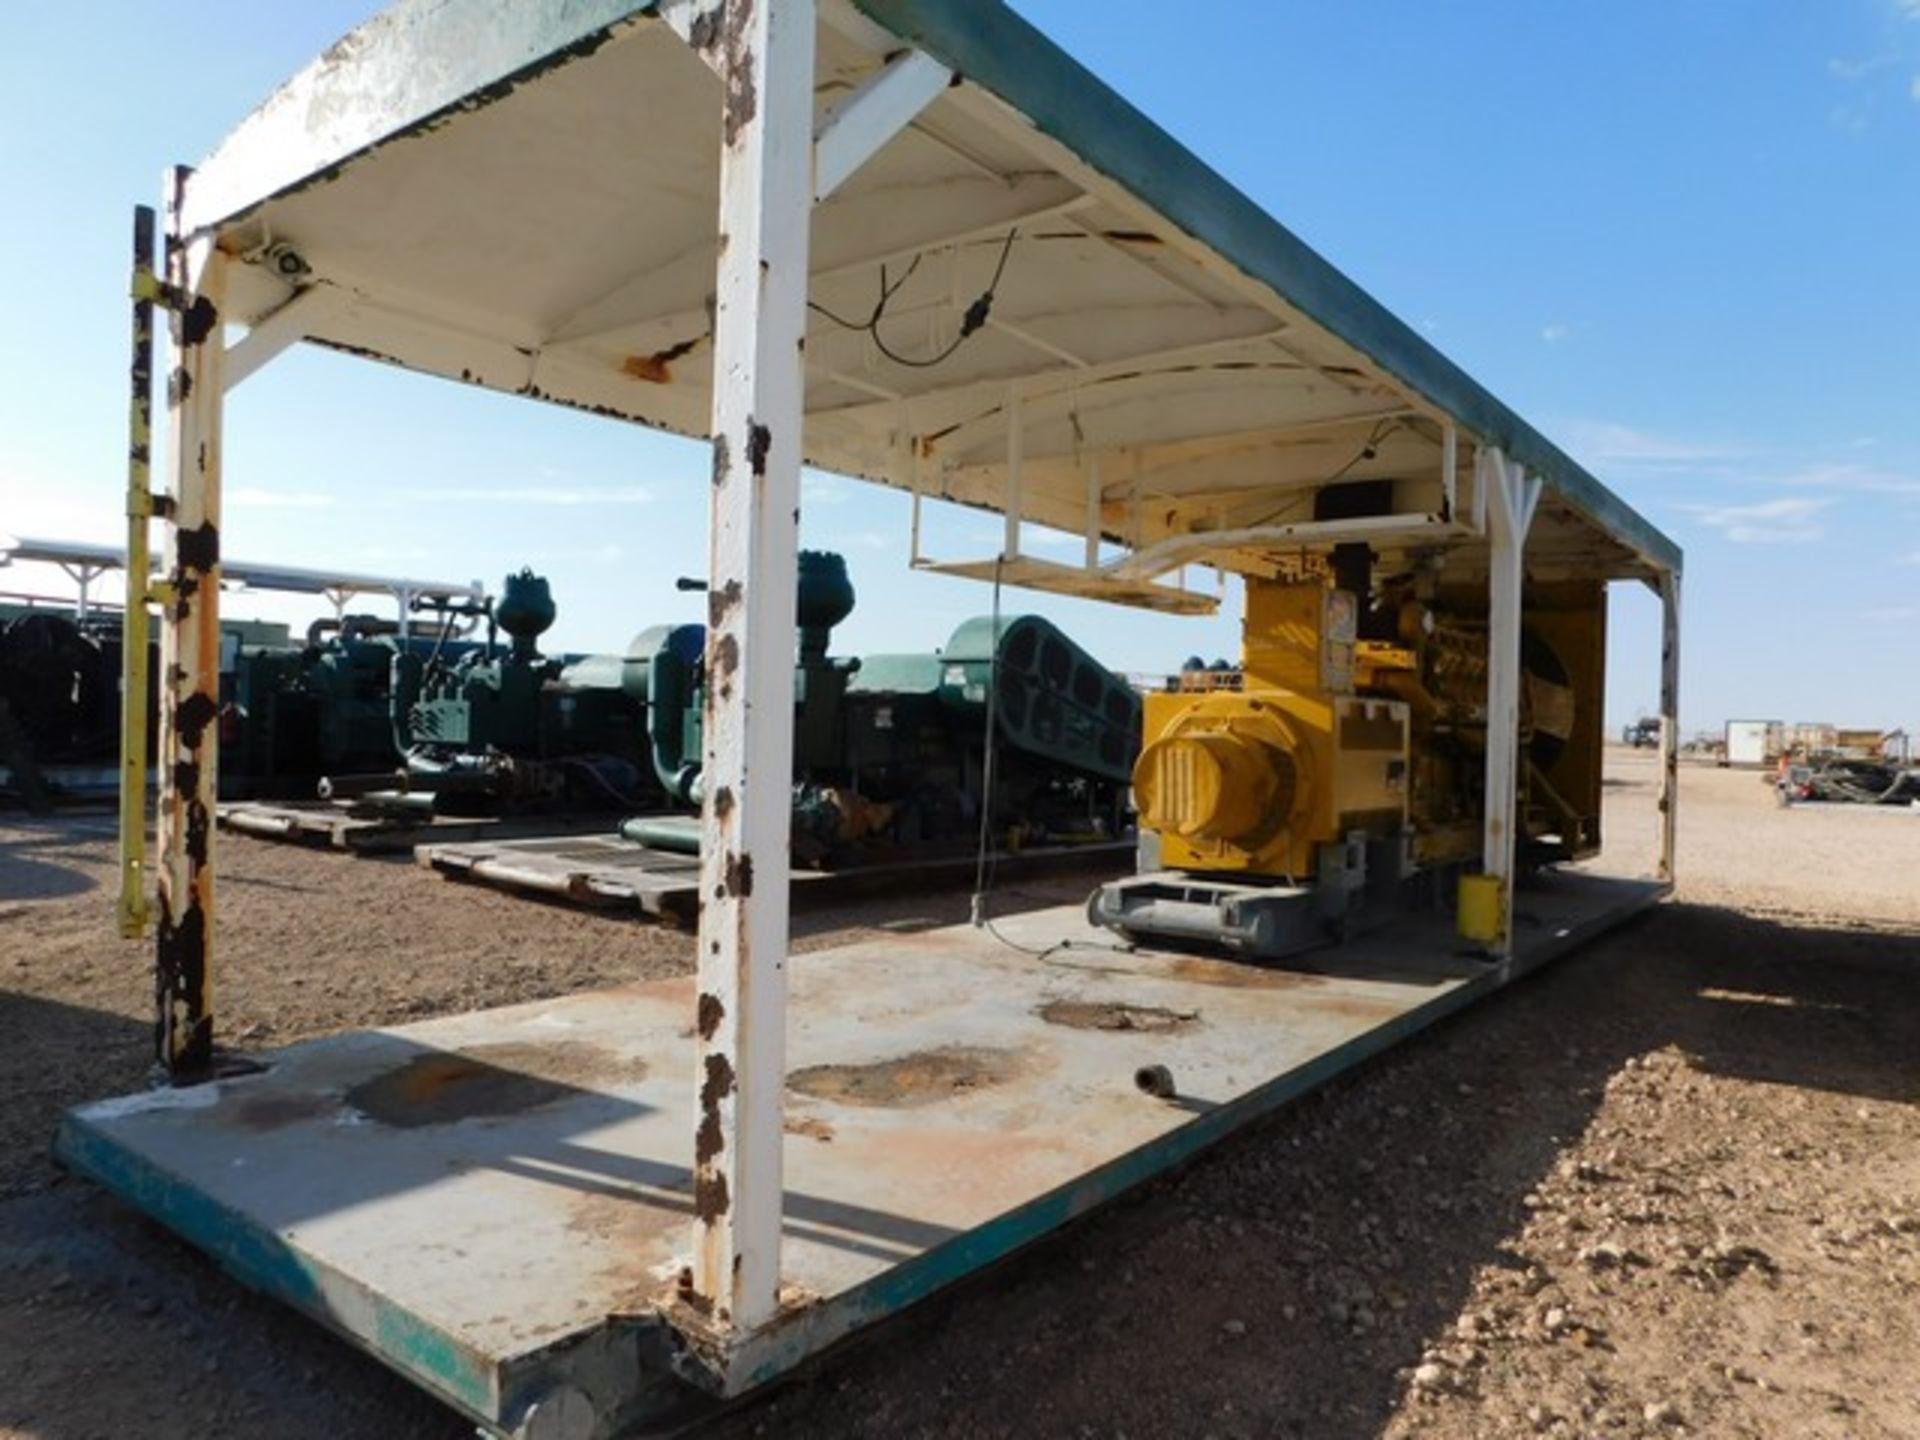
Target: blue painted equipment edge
{"type": "Point", "coordinates": [261, 1260]}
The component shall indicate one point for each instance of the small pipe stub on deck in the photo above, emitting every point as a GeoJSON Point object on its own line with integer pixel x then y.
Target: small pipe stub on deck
{"type": "Point", "coordinates": [564, 1413]}
{"type": "Point", "coordinates": [1155, 1080]}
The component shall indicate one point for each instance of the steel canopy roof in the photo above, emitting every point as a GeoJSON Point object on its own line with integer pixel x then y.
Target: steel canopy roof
{"type": "Point", "coordinates": [524, 197]}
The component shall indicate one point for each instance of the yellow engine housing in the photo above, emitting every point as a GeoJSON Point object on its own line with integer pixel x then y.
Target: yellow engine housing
{"type": "Point", "coordinates": [1257, 781]}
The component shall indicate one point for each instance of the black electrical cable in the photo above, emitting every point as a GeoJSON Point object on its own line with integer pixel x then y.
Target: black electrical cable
{"type": "Point", "coordinates": [983, 865]}
{"type": "Point", "coordinates": [982, 860]}
{"type": "Point", "coordinates": [972, 320]}
{"type": "Point", "coordinates": [1381, 430]}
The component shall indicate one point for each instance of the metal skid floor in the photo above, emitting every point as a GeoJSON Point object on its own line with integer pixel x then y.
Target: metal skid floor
{"type": "Point", "coordinates": [497, 1204]}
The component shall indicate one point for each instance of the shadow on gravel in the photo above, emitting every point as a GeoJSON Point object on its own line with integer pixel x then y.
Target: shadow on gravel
{"type": "Point", "coordinates": [31, 867]}
{"type": "Point", "coordinates": [57, 1055]}
{"type": "Point", "coordinates": [1813, 1007]}
{"type": "Point", "coordinates": [1286, 1282]}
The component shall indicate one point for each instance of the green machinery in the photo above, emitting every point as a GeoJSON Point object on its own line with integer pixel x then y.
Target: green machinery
{"type": "Point", "coordinates": [891, 748]}
{"type": "Point", "coordinates": [291, 715]}
{"type": "Point", "coordinates": [887, 748]}
{"type": "Point", "coordinates": [491, 727]}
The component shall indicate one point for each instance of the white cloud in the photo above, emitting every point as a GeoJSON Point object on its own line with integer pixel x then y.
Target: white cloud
{"type": "Point", "coordinates": [1913, 90]}
{"type": "Point", "coordinates": [1854, 119]}
{"type": "Point", "coordinates": [1554, 332]}
{"type": "Point", "coordinates": [1859, 69]}
{"type": "Point", "coordinates": [558, 495]}
{"type": "Point", "coordinates": [819, 490]}
{"type": "Point", "coordinates": [389, 554]}
{"type": "Point", "coordinates": [1862, 479]}
{"type": "Point", "coordinates": [1912, 557]}
{"type": "Point", "coordinates": [1891, 614]}
{"type": "Point", "coordinates": [260, 498]}
{"type": "Point", "coordinates": [1604, 443]}
{"type": "Point", "coordinates": [1791, 519]}
{"type": "Point", "coordinates": [1042, 538]}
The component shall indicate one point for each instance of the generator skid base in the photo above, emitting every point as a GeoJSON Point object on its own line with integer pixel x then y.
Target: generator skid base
{"type": "Point", "coordinates": [1361, 884]}
{"type": "Point", "coordinates": [496, 1204]}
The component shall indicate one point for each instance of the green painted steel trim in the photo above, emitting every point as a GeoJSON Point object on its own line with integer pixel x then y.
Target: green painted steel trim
{"type": "Point", "coordinates": [263, 1261]}
{"type": "Point", "coordinates": [994, 48]}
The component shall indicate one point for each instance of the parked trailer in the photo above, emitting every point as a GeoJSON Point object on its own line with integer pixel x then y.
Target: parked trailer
{"type": "Point", "coordinates": [1753, 743]}
{"type": "Point", "coordinates": [656, 1221]}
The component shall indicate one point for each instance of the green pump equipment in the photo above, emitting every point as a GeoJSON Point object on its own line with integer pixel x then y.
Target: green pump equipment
{"type": "Point", "coordinates": [888, 749]}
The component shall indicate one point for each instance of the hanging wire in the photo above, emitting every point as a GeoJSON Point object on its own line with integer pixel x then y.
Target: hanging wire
{"type": "Point", "coordinates": [975, 316]}
{"type": "Point", "coordinates": [983, 862]}
{"type": "Point", "coordinates": [1367, 451]}
{"type": "Point", "coordinates": [983, 854]}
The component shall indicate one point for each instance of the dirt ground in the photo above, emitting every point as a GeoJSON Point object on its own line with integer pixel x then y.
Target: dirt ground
{"type": "Point", "coordinates": [1671, 1186]}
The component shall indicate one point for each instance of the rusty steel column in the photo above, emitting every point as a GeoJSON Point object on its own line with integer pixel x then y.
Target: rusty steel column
{"type": "Point", "coordinates": [765, 59]}
{"type": "Point", "coordinates": [1669, 589]}
{"type": "Point", "coordinates": [187, 758]}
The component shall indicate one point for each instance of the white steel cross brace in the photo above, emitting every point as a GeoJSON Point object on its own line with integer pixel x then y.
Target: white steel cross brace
{"type": "Point", "coordinates": [855, 128]}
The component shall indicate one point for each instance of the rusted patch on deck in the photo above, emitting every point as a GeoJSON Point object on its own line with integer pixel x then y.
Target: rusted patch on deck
{"type": "Point", "coordinates": [1116, 1015]}
{"type": "Point", "coordinates": [1235, 975]}
{"type": "Point", "coordinates": [922, 1078]}
{"type": "Point", "coordinates": [486, 1081]}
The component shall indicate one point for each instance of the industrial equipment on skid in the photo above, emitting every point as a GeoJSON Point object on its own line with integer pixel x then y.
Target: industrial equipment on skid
{"type": "Point", "coordinates": [1337, 778]}
{"type": "Point", "coordinates": [74, 673]}
{"type": "Point", "coordinates": [887, 748]}
{"type": "Point", "coordinates": [429, 713]}
{"type": "Point", "coordinates": [1848, 767]}
{"type": "Point", "coordinates": [1835, 780]}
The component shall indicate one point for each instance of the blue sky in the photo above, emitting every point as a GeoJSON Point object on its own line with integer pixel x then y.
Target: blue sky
{"type": "Point", "coordinates": [1680, 238]}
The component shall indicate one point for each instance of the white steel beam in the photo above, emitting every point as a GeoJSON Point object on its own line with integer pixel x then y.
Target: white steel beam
{"type": "Point", "coordinates": [767, 60]}
{"type": "Point", "coordinates": [1036, 342]}
{"type": "Point", "coordinates": [1178, 550]}
{"type": "Point", "coordinates": [278, 332]}
{"type": "Point", "coordinates": [1009, 125]}
{"type": "Point", "coordinates": [924, 225]}
{"type": "Point", "coordinates": [1054, 384]}
{"type": "Point", "coordinates": [1511, 497]}
{"type": "Point", "coordinates": [1669, 588]}
{"type": "Point", "coordinates": [853, 130]}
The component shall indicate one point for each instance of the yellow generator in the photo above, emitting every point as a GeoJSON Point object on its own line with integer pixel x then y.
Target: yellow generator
{"type": "Point", "coordinates": [1337, 777]}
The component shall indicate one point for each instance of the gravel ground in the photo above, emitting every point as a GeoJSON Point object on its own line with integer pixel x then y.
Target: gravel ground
{"type": "Point", "coordinates": [1670, 1186]}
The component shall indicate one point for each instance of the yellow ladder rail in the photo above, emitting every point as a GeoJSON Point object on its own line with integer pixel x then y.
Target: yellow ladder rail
{"type": "Point", "coordinates": [135, 673]}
